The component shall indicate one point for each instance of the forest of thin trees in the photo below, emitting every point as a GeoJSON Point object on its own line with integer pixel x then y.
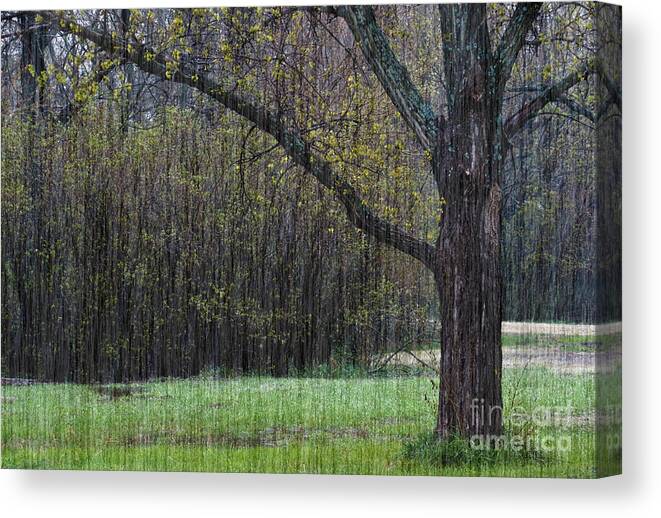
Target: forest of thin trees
{"type": "Point", "coordinates": [149, 231]}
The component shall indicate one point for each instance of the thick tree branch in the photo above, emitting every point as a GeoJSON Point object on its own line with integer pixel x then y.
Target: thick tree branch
{"type": "Point", "coordinates": [513, 39]}
{"type": "Point", "coordinates": [551, 94]}
{"type": "Point", "coordinates": [357, 210]}
{"type": "Point", "coordinates": [392, 74]}
{"type": "Point", "coordinates": [576, 107]}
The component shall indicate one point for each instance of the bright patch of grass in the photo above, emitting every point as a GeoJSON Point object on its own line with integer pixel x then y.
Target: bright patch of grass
{"type": "Point", "coordinates": [295, 425]}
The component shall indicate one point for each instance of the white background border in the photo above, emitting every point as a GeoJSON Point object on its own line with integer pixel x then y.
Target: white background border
{"type": "Point", "coordinates": [637, 492]}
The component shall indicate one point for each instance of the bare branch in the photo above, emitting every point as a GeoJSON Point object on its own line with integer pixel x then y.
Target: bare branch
{"type": "Point", "coordinates": [550, 94]}
{"type": "Point", "coordinates": [576, 107]}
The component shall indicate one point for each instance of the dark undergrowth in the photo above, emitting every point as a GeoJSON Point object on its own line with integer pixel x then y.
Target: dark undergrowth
{"type": "Point", "coordinates": [458, 451]}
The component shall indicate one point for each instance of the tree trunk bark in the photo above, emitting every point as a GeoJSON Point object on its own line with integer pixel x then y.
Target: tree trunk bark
{"type": "Point", "coordinates": [467, 166]}
{"type": "Point", "coordinates": [467, 266]}
{"type": "Point", "coordinates": [469, 285]}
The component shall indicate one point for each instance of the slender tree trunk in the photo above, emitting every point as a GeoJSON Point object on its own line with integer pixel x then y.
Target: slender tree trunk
{"type": "Point", "coordinates": [33, 46]}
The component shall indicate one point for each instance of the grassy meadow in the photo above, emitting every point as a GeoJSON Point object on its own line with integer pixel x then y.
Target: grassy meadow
{"type": "Point", "coordinates": [345, 422]}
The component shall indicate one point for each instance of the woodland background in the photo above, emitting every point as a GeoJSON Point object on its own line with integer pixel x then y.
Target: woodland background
{"type": "Point", "coordinates": [147, 232]}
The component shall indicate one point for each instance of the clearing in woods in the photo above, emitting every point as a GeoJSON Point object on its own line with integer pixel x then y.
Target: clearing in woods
{"type": "Point", "coordinates": [347, 422]}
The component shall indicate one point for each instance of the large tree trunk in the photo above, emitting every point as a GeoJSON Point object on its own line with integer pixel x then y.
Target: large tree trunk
{"type": "Point", "coordinates": [469, 286]}
{"type": "Point", "coordinates": [468, 276]}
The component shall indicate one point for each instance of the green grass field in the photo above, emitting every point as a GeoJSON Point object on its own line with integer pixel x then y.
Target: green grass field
{"type": "Point", "coordinates": [341, 425]}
